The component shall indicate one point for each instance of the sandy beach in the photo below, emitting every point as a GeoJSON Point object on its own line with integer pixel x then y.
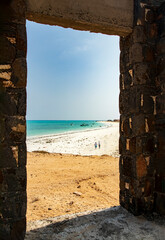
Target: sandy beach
{"type": "Point", "coordinates": [73, 196]}
{"type": "Point", "coordinates": [79, 143]}
{"type": "Point", "coordinates": [66, 174]}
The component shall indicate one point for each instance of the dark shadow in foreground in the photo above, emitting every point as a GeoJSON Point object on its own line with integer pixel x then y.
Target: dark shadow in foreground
{"type": "Point", "coordinates": [109, 224]}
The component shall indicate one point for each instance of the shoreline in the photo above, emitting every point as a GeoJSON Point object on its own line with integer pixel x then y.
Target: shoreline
{"type": "Point", "coordinates": [79, 142]}
{"type": "Point", "coordinates": [68, 132]}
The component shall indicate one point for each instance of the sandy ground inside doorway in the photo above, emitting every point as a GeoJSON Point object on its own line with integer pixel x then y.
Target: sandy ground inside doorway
{"type": "Point", "coordinates": [59, 184]}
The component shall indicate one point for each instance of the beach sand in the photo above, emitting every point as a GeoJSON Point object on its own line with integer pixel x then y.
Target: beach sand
{"type": "Point", "coordinates": [80, 143]}
{"type": "Point", "coordinates": [81, 180]}
{"type": "Point", "coordinates": [72, 196]}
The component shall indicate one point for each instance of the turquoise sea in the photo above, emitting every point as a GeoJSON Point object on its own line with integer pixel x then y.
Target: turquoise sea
{"type": "Point", "coordinates": [47, 127]}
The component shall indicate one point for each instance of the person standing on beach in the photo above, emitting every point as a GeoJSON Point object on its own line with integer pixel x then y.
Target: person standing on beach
{"type": "Point", "coordinates": [95, 145]}
{"type": "Point", "coordinates": [99, 144]}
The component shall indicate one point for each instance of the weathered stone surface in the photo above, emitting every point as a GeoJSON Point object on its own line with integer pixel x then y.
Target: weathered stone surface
{"type": "Point", "coordinates": [144, 74]}
{"type": "Point", "coordinates": [110, 17]}
{"type": "Point", "coordinates": [12, 120]}
{"type": "Point", "coordinates": [136, 53]}
{"type": "Point", "coordinates": [18, 229]}
{"type": "Point", "coordinates": [14, 180]}
{"type": "Point", "coordinates": [141, 166]}
{"type": "Point", "coordinates": [138, 124]}
{"type": "Point", "coordinates": [15, 205]}
{"type": "Point", "coordinates": [142, 108]}
{"type": "Point", "coordinates": [108, 224]}
{"type": "Point", "coordinates": [19, 72]}
{"type": "Point", "coordinates": [127, 166]}
{"type": "Point", "coordinates": [16, 127]}
{"type": "Point", "coordinates": [160, 104]}
{"type": "Point", "coordinates": [160, 199]}
{"type": "Point", "coordinates": [6, 156]}
{"type": "Point", "coordinates": [7, 51]}
{"type": "Point", "coordinates": [139, 35]}
{"type": "Point", "coordinates": [13, 11]}
{"type": "Point", "coordinates": [21, 42]}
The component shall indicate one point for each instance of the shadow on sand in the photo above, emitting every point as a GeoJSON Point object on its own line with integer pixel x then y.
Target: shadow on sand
{"type": "Point", "coordinates": [109, 224]}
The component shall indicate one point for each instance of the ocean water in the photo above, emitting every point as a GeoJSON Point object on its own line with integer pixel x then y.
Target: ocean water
{"type": "Point", "coordinates": [47, 127]}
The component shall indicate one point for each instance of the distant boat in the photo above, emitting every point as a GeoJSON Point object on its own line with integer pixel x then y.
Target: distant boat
{"type": "Point", "coordinates": [84, 125]}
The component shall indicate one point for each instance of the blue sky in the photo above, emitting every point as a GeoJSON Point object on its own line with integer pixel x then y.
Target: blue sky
{"type": "Point", "coordinates": [72, 75]}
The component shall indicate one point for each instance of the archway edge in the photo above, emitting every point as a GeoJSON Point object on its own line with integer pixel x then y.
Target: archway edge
{"type": "Point", "coordinates": [113, 17]}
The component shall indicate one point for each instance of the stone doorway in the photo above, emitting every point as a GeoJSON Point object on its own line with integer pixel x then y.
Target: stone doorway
{"type": "Point", "coordinates": [142, 133]}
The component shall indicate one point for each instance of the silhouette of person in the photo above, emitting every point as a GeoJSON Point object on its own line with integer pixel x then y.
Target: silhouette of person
{"type": "Point", "coordinates": [95, 145]}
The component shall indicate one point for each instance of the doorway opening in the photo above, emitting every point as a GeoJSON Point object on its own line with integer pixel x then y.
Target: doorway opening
{"type": "Point", "coordinates": [72, 104]}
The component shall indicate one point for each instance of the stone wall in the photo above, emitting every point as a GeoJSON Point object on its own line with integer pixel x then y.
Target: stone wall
{"type": "Point", "coordinates": [141, 103]}
{"type": "Point", "coordinates": [159, 166]}
{"type": "Point", "coordinates": [12, 120]}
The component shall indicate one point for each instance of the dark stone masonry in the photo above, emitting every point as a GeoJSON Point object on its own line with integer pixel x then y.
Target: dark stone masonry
{"type": "Point", "coordinates": [12, 120]}
{"type": "Point", "coordinates": [142, 109]}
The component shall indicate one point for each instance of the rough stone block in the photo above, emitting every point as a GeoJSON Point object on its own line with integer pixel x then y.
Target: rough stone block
{"type": "Point", "coordinates": [161, 20]}
{"type": "Point", "coordinates": [160, 203]}
{"type": "Point", "coordinates": [160, 104]}
{"type": "Point", "coordinates": [148, 187]}
{"type": "Point", "coordinates": [141, 166]}
{"type": "Point", "coordinates": [18, 229]}
{"type": "Point", "coordinates": [122, 145]}
{"type": "Point", "coordinates": [15, 205]}
{"type": "Point", "coordinates": [8, 30]}
{"type": "Point", "coordinates": [8, 103]}
{"type": "Point", "coordinates": [127, 79]}
{"type": "Point", "coordinates": [136, 53]}
{"type": "Point", "coordinates": [148, 144]}
{"type": "Point", "coordinates": [160, 183]}
{"type": "Point", "coordinates": [138, 125]}
{"type": "Point", "coordinates": [2, 129]}
{"type": "Point", "coordinates": [121, 82]}
{"type": "Point", "coordinates": [127, 127]}
{"type": "Point", "coordinates": [19, 76]}
{"type": "Point", "coordinates": [161, 46]}
{"type": "Point", "coordinates": [127, 166]}
{"type": "Point", "coordinates": [148, 103]}
{"type": "Point", "coordinates": [148, 53]}
{"type": "Point", "coordinates": [21, 42]}
{"type": "Point", "coordinates": [22, 156]}
{"type": "Point", "coordinates": [16, 128]}
{"type": "Point", "coordinates": [13, 11]}
{"type": "Point", "coordinates": [128, 102]}
{"type": "Point", "coordinates": [132, 145]}
{"type": "Point", "coordinates": [151, 122]}
{"type": "Point", "coordinates": [139, 35]}
{"type": "Point", "coordinates": [161, 64]}
{"type": "Point", "coordinates": [139, 147]}
{"type": "Point", "coordinates": [13, 180]}
{"type": "Point", "coordinates": [144, 74]}
{"type": "Point", "coordinates": [160, 121]}
{"type": "Point", "coordinates": [6, 156]}
{"type": "Point", "coordinates": [124, 62]}
{"type": "Point", "coordinates": [152, 32]}
{"type": "Point", "coordinates": [5, 231]}
{"type": "Point", "coordinates": [125, 43]}
{"type": "Point", "coordinates": [150, 15]}
{"type": "Point", "coordinates": [13, 101]}
{"type": "Point", "coordinates": [160, 82]}
{"type": "Point", "coordinates": [7, 50]}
